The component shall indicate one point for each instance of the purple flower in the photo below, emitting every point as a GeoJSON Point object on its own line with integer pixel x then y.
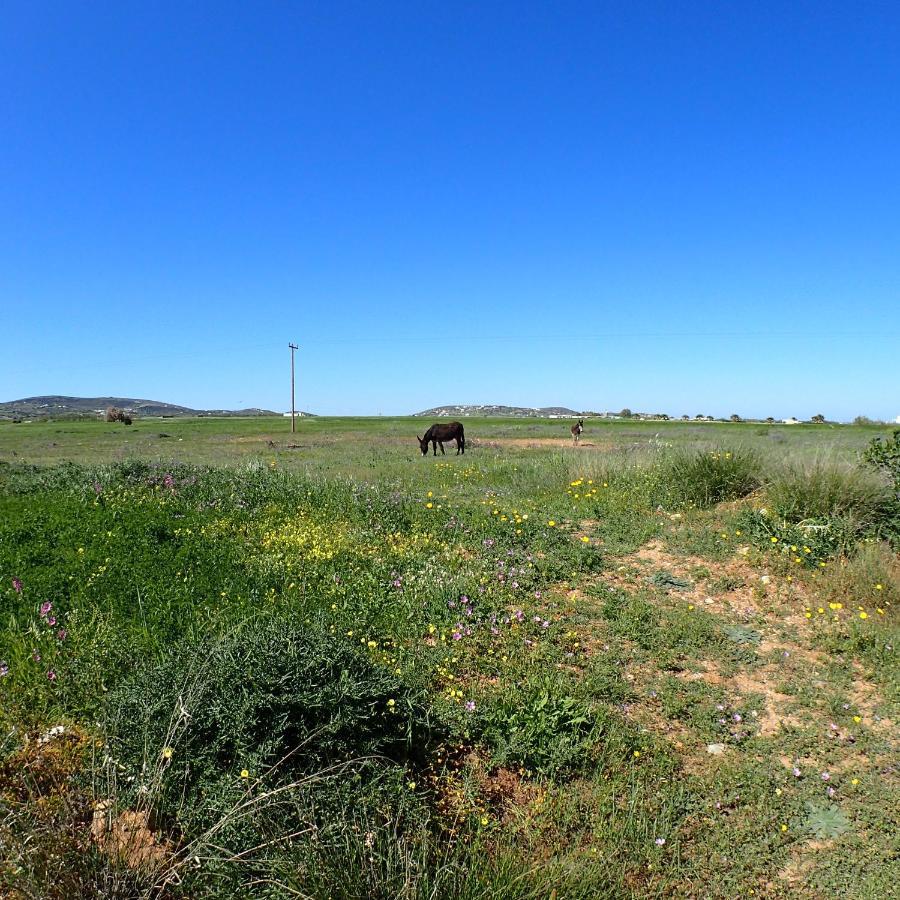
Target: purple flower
{"type": "Point", "coordinates": [537, 595]}
{"type": "Point", "coordinates": [720, 706]}
{"type": "Point", "coordinates": [830, 791]}
{"type": "Point", "coordinates": [4, 670]}
{"type": "Point", "coordinates": [470, 705]}
{"type": "Point", "coordinates": [17, 585]}
{"type": "Point", "coordinates": [46, 606]}
{"type": "Point", "coordinates": [464, 599]}
{"type": "Point", "coordinates": [61, 634]}
{"type": "Point", "coordinates": [796, 772]}
{"type": "Point", "coordinates": [826, 776]}
{"type": "Point", "coordinates": [659, 842]}
{"type": "Point", "coordinates": [545, 624]}
{"type": "Point", "coordinates": [738, 717]}
{"type": "Point", "coordinates": [397, 583]}
{"type": "Point", "coordinates": [457, 636]}
{"type": "Point", "coordinates": [51, 675]}
{"type": "Point", "coordinates": [833, 727]}
{"type": "Point", "coordinates": [97, 487]}
{"type": "Point", "coordinates": [169, 481]}
{"type": "Point", "coordinates": [51, 621]}
{"type": "Point", "coordinates": [35, 655]}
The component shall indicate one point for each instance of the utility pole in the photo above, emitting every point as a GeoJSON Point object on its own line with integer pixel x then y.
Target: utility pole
{"type": "Point", "coordinates": [293, 408]}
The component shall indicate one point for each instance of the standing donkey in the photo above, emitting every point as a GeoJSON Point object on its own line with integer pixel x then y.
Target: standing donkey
{"type": "Point", "coordinates": [576, 430]}
{"type": "Point", "coordinates": [437, 434]}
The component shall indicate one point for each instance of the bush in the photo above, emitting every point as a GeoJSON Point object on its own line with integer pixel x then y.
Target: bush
{"type": "Point", "coordinates": [273, 709]}
{"type": "Point", "coordinates": [704, 478]}
{"type": "Point", "coordinates": [883, 454]}
{"type": "Point", "coordinates": [826, 492]}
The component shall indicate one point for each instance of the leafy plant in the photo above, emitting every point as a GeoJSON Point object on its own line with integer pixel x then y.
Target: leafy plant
{"type": "Point", "coordinates": [826, 822]}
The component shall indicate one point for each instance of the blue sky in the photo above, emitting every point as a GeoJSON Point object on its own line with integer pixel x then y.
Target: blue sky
{"type": "Point", "coordinates": [679, 207]}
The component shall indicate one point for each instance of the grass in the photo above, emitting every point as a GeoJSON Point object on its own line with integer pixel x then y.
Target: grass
{"type": "Point", "coordinates": [343, 670]}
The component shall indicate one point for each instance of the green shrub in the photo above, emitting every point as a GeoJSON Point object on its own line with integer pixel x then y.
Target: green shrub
{"type": "Point", "coordinates": [884, 454]}
{"type": "Point", "coordinates": [703, 478]}
{"type": "Point", "coordinates": [269, 705]}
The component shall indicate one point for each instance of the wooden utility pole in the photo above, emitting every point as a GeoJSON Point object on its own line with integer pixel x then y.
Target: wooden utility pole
{"type": "Point", "coordinates": [293, 407]}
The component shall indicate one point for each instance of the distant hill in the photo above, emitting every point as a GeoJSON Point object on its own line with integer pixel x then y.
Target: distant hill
{"type": "Point", "coordinates": [87, 407]}
{"type": "Point", "coordinates": [494, 410]}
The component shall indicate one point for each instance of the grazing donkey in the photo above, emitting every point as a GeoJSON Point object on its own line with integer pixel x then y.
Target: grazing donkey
{"type": "Point", "coordinates": [437, 434]}
{"type": "Point", "coordinates": [576, 430]}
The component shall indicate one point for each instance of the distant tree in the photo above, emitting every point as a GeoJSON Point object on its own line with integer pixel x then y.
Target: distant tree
{"type": "Point", "coordinates": [818, 418]}
{"type": "Point", "coordinates": [685, 418]}
{"type": "Point", "coordinates": [865, 420]}
{"type": "Point", "coordinates": [663, 416]}
{"type": "Point", "coordinates": [699, 416]}
{"type": "Point", "coordinates": [626, 413]}
{"type": "Point", "coordinates": [736, 418]}
{"type": "Point", "coordinates": [770, 420]}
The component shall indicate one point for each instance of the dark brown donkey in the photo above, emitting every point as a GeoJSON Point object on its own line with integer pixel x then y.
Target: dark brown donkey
{"type": "Point", "coordinates": [437, 434]}
{"type": "Point", "coordinates": [576, 430]}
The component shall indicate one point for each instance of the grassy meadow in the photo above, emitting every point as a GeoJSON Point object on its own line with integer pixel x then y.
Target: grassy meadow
{"type": "Point", "coordinates": [237, 662]}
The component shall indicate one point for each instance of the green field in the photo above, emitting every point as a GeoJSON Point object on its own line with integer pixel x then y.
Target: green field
{"type": "Point", "coordinates": [237, 662]}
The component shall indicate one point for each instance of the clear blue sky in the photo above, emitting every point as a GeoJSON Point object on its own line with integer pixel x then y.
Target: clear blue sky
{"type": "Point", "coordinates": [683, 207]}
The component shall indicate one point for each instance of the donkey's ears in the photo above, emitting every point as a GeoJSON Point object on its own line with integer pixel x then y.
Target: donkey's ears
{"type": "Point", "coordinates": [418, 439]}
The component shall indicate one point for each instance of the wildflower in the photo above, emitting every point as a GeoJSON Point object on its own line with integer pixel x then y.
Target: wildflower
{"type": "Point", "coordinates": [51, 675]}
{"type": "Point", "coordinates": [879, 587]}
{"type": "Point", "coordinates": [4, 670]}
{"type": "Point", "coordinates": [830, 791]}
{"type": "Point", "coordinates": [585, 540]}
{"type": "Point", "coordinates": [826, 776]}
{"type": "Point", "coordinates": [738, 717]}
{"type": "Point", "coordinates": [783, 827]}
{"type": "Point", "coordinates": [51, 621]}
{"type": "Point", "coordinates": [245, 773]}
{"type": "Point", "coordinates": [391, 703]}
{"type": "Point", "coordinates": [429, 505]}
{"type": "Point", "coordinates": [470, 706]}
{"type": "Point", "coordinates": [17, 585]}
{"type": "Point", "coordinates": [36, 655]}
{"type": "Point", "coordinates": [46, 606]}
{"type": "Point", "coordinates": [411, 785]}
{"type": "Point", "coordinates": [864, 615]}
{"type": "Point", "coordinates": [774, 540]}
{"type": "Point", "coordinates": [484, 820]}
{"type": "Point", "coordinates": [796, 772]}
{"type": "Point", "coordinates": [659, 842]}
{"type": "Point", "coordinates": [167, 753]}
{"type": "Point", "coordinates": [854, 781]}
{"type": "Point", "coordinates": [551, 523]}
{"type": "Point", "coordinates": [636, 754]}
{"type": "Point", "coordinates": [857, 719]}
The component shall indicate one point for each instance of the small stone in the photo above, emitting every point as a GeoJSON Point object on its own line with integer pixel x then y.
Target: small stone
{"type": "Point", "coordinates": [715, 749]}
{"type": "Point", "coordinates": [765, 579]}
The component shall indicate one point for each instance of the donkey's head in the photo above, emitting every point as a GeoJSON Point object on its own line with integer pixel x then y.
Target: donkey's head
{"type": "Point", "coordinates": [423, 445]}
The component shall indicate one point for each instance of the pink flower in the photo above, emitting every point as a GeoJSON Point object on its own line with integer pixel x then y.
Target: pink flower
{"type": "Point", "coordinates": [796, 772]}
{"type": "Point", "coordinates": [659, 842]}
{"type": "Point", "coordinates": [825, 776]}
{"type": "Point", "coordinates": [61, 634]}
{"type": "Point", "coordinates": [17, 585]}
{"type": "Point", "coordinates": [4, 670]}
{"type": "Point", "coordinates": [470, 705]}
{"type": "Point", "coordinates": [51, 675]}
{"type": "Point", "coordinates": [46, 606]}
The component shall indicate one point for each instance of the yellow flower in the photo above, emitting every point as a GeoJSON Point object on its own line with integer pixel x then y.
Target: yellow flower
{"type": "Point", "coordinates": [245, 773]}
{"type": "Point", "coordinates": [586, 540]}
{"type": "Point", "coordinates": [783, 827]}
{"type": "Point", "coordinates": [808, 615]}
{"type": "Point", "coordinates": [854, 781]}
{"type": "Point", "coordinates": [551, 523]}
{"type": "Point", "coordinates": [864, 615]}
{"type": "Point", "coordinates": [429, 505]}
{"type": "Point", "coordinates": [391, 702]}
{"type": "Point", "coordinates": [484, 820]}
{"type": "Point", "coordinates": [167, 752]}
{"type": "Point", "coordinates": [411, 785]}
{"type": "Point", "coordinates": [637, 753]}
{"type": "Point", "coordinates": [774, 540]}
{"type": "Point", "coordinates": [857, 719]}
